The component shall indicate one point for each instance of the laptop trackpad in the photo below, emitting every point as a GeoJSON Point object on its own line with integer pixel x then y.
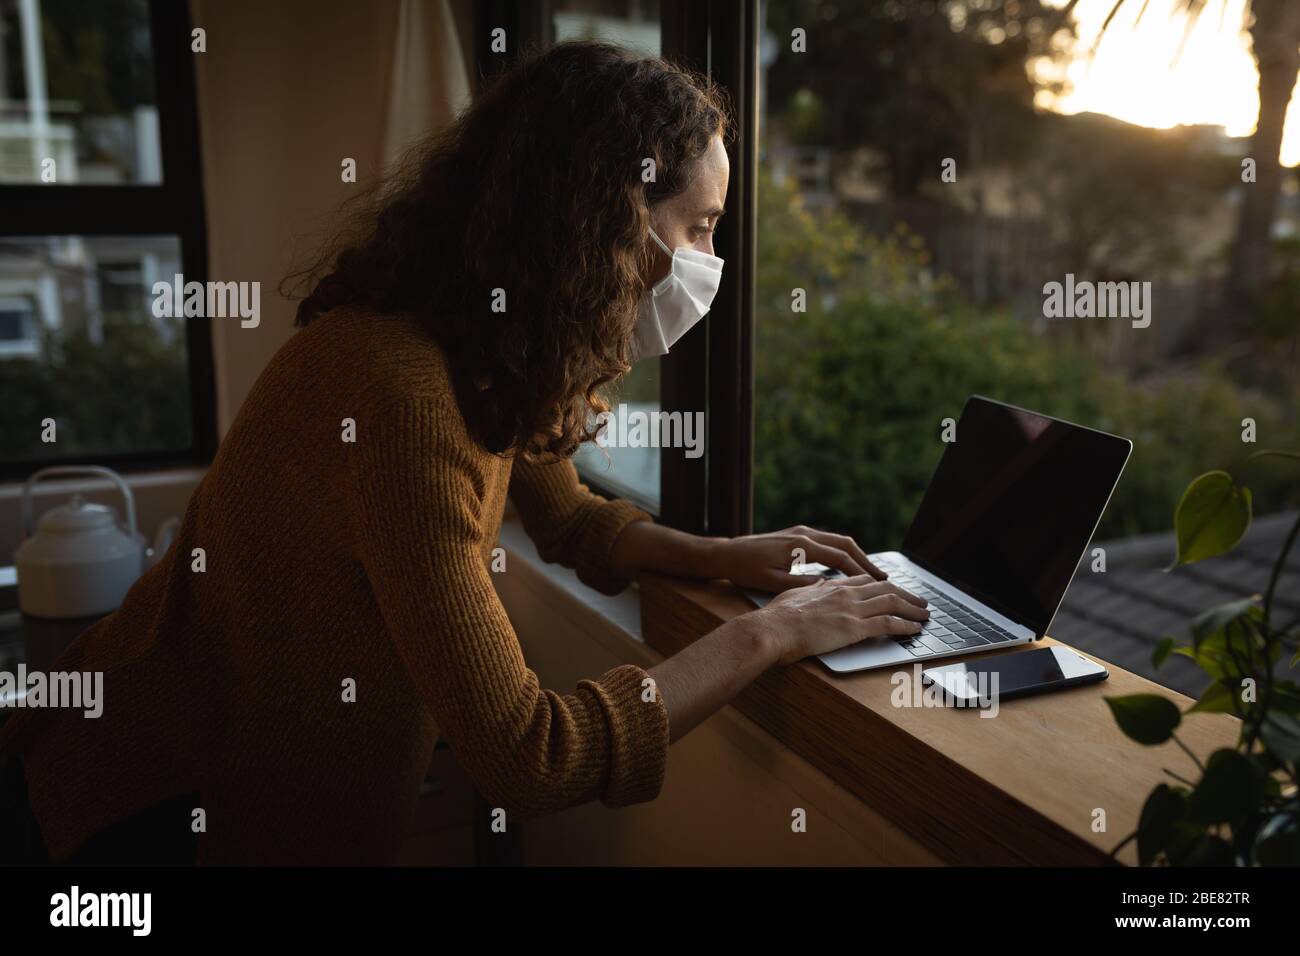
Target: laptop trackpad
{"type": "Point", "coordinates": [873, 652]}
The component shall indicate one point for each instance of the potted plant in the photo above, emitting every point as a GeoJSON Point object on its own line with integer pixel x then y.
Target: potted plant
{"type": "Point", "coordinates": [1242, 808]}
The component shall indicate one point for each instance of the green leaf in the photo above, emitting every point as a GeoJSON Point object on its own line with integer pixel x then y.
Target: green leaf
{"type": "Point", "coordinates": [1274, 453]}
{"type": "Point", "coordinates": [1163, 809]}
{"type": "Point", "coordinates": [1281, 734]}
{"type": "Point", "coordinates": [1162, 652]}
{"type": "Point", "coordinates": [1211, 656]}
{"type": "Point", "coordinates": [1230, 788]}
{"type": "Point", "coordinates": [1211, 518]}
{"type": "Point", "coordinates": [1217, 618]}
{"type": "Point", "coordinates": [1286, 697]}
{"type": "Point", "coordinates": [1147, 718]}
{"type": "Point", "coordinates": [1216, 699]}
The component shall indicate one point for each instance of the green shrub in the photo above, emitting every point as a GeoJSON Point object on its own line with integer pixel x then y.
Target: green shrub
{"type": "Point", "coordinates": [850, 394]}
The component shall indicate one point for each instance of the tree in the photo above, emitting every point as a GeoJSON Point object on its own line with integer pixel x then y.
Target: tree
{"type": "Point", "coordinates": [916, 82]}
{"type": "Point", "coordinates": [1274, 28]}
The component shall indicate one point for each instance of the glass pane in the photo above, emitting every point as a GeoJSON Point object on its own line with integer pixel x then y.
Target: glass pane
{"type": "Point", "coordinates": [630, 23]}
{"type": "Point", "coordinates": [630, 471]}
{"type": "Point", "coordinates": [927, 172]}
{"type": "Point", "coordinates": [77, 100]}
{"type": "Point", "coordinates": [80, 344]}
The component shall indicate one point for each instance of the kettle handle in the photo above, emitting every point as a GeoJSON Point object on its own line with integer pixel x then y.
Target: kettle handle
{"type": "Point", "coordinates": [29, 524]}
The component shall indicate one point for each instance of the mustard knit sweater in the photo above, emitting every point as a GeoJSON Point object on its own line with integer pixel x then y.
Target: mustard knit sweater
{"type": "Point", "coordinates": [329, 565]}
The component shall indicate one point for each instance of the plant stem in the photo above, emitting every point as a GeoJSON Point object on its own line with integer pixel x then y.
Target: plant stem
{"type": "Point", "coordinates": [1277, 571]}
{"type": "Point", "coordinates": [1182, 780]}
{"type": "Point", "coordinates": [1188, 752]}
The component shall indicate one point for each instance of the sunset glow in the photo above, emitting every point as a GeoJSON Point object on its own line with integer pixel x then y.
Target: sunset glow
{"type": "Point", "coordinates": [1139, 75]}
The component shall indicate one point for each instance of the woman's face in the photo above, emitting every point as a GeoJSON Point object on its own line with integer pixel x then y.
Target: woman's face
{"type": "Point", "coordinates": [689, 218]}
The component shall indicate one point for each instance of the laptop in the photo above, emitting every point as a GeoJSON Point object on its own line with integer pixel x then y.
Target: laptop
{"type": "Point", "coordinates": [998, 536]}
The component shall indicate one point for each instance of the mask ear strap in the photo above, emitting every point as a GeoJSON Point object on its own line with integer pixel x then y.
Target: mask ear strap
{"type": "Point", "coordinates": [655, 236]}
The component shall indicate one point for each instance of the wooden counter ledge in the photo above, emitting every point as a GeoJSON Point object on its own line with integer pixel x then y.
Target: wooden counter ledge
{"type": "Point", "coordinates": [1023, 787]}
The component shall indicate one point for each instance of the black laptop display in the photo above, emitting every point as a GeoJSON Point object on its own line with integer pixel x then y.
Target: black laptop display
{"type": "Point", "coordinates": [1012, 506]}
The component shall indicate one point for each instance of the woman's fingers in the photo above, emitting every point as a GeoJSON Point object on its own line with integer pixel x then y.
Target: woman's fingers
{"type": "Point", "coordinates": [834, 614]}
{"type": "Point", "coordinates": [864, 580]}
{"type": "Point", "coordinates": [778, 581]}
{"type": "Point", "coordinates": [830, 556]}
{"type": "Point", "coordinates": [866, 588]}
{"type": "Point", "coordinates": [845, 545]}
{"type": "Point", "coordinates": [886, 624]}
{"type": "Point", "coordinates": [888, 587]}
{"type": "Point", "coordinates": [843, 542]}
{"type": "Point", "coordinates": [895, 605]}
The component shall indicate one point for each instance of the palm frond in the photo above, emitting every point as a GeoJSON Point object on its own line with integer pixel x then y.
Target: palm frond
{"type": "Point", "coordinates": [1192, 9]}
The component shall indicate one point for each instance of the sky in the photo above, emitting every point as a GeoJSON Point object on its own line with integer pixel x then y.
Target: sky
{"type": "Point", "coordinates": [1138, 74]}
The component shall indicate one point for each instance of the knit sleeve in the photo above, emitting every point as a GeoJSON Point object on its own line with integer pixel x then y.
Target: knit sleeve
{"type": "Point", "coordinates": [568, 523]}
{"type": "Point", "coordinates": [416, 481]}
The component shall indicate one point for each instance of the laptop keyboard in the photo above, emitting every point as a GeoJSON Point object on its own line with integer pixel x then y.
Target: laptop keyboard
{"type": "Point", "coordinates": [952, 625]}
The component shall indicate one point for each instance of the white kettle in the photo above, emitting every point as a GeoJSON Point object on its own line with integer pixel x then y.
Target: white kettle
{"type": "Point", "coordinates": [78, 561]}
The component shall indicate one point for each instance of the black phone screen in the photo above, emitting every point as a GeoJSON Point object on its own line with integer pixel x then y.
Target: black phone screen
{"type": "Point", "coordinates": [1016, 674]}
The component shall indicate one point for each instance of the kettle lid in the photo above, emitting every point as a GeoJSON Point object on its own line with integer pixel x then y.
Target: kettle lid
{"type": "Point", "coordinates": [78, 516]}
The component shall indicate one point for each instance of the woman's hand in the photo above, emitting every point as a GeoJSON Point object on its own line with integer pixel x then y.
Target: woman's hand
{"type": "Point", "coordinates": [822, 617]}
{"type": "Point", "coordinates": [829, 615]}
{"type": "Point", "coordinates": [762, 561]}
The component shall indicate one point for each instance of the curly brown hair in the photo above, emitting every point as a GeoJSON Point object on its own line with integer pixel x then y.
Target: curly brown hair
{"type": "Point", "coordinates": [536, 189]}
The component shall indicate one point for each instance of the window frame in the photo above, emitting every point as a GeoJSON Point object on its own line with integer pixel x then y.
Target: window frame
{"type": "Point", "coordinates": [174, 207]}
{"type": "Point", "coordinates": [712, 367]}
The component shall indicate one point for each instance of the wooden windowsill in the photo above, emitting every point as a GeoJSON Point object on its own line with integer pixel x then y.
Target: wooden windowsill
{"type": "Point", "coordinates": [1027, 786]}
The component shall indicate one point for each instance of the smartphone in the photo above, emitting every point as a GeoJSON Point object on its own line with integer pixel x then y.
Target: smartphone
{"type": "Point", "coordinates": [1015, 675]}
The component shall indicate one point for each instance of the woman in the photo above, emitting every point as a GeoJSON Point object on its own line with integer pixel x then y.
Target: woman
{"type": "Point", "coordinates": [327, 614]}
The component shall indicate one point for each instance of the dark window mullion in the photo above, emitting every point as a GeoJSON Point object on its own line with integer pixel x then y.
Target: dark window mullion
{"type": "Point", "coordinates": [712, 367]}
{"type": "Point", "coordinates": [178, 120]}
{"type": "Point", "coordinates": [733, 55]}
{"type": "Point", "coordinates": [54, 210]}
{"type": "Point", "coordinates": [683, 372]}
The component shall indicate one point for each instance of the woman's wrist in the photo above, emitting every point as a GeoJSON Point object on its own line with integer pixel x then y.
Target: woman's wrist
{"type": "Point", "coordinates": [645, 546]}
{"type": "Point", "coordinates": [756, 640]}
{"type": "Point", "coordinates": [705, 557]}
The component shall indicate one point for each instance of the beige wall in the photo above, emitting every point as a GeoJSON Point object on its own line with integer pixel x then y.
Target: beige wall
{"type": "Point", "coordinates": [286, 91]}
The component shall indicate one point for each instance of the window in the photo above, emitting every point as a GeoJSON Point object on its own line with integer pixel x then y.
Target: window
{"type": "Point", "coordinates": [707, 371]}
{"type": "Point", "coordinates": [630, 23]}
{"type": "Point", "coordinates": [902, 194]}
{"type": "Point", "coordinates": [100, 186]}
{"type": "Point", "coordinates": [926, 170]}
{"type": "Point", "coordinates": [626, 471]}
{"type": "Point", "coordinates": [18, 329]}
{"type": "Point", "coordinates": [79, 87]}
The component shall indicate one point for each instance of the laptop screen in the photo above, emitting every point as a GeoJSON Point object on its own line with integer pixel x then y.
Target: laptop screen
{"type": "Point", "coordinates": [1012, 506]}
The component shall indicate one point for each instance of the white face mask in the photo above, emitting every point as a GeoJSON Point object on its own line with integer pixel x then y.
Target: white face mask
{"type": "Point", "coordinates": [667, 311]}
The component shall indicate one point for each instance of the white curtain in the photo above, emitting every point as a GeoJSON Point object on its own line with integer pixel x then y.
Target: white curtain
{"type": "Point", "coordinates": [429, 79]}
{"type": "Point", "coordinates": [287, 91]}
